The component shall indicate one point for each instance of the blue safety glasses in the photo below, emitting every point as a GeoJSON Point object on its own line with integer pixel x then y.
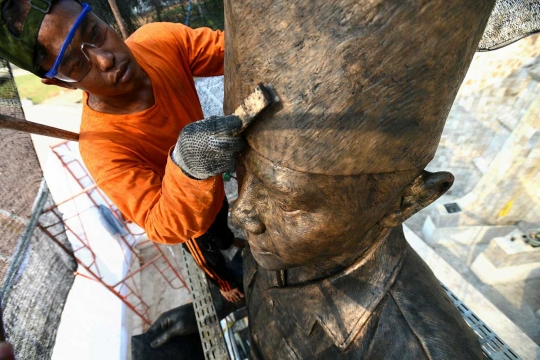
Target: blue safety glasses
{"type": "Point", "coordinates": [73, 62]}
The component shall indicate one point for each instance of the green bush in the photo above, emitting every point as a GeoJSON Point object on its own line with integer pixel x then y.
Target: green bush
{"type": "Point", "coordinates": [30, 87]}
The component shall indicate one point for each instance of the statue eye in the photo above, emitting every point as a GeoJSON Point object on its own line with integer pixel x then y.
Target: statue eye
{"type": "Point", "coordinates": [287, 208]}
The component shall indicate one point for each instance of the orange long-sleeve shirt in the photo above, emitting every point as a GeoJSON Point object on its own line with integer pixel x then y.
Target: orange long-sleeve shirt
{"type": "Point", "coordinates": [129, 155]}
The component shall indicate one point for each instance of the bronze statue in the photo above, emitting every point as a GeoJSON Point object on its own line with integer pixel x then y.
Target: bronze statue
{"type": "Point", "coordinates": [332, 172]}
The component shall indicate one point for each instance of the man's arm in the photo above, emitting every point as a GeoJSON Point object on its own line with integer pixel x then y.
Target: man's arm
{"type": "Point", "coordinates": [203, 47]}
{"type": "Point", "coordinates": [171, 209]}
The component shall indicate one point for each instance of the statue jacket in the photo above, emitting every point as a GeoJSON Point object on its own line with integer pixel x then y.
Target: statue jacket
{"type": "Point", "coordinates": [387, 305]}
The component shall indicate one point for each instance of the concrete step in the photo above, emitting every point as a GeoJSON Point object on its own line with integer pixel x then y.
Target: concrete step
{"type": "Point", "coordinates": [463, 235]}
{"type": "Point", "coordinates": [507, 259]}
{"type": "Point", "coordinates": [520, 342]}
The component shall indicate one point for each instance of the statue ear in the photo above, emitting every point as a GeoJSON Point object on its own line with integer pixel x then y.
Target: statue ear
{"type": "Point", "coordinates": [425, 189]}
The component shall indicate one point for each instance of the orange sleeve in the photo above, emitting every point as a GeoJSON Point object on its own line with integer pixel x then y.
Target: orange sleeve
{"type": "Point", "coordinates": [205, 49]}
{"type": "Point", "coordinates": [171, 210]}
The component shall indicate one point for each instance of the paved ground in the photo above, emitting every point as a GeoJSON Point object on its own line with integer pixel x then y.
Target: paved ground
{"type": "Point", "coordinates": [519, 301]}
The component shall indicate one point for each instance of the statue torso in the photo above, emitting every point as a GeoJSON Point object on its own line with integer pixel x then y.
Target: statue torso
{"type": "Point", "coordinates": [389, 306]}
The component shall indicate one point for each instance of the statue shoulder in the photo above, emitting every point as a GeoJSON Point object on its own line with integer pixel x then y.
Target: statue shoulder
{"type": "Point", "coordinates": [431, 314]}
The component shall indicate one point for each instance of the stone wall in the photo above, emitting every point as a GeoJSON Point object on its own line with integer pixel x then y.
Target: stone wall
{"type": "Point", "coordinates": [490, 103]}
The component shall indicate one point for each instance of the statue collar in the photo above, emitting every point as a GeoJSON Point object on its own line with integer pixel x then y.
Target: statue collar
{"type": "Point", "coordinates": [342, 304]}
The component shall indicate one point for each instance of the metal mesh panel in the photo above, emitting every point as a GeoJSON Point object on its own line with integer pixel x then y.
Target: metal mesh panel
{"type": "Point", "coordinates": [510, 21]}
{"type": "Point", "coordinates": [36, 287]}
{"type": "Point", "coordinates": [492, 346]}
{"type": "Point", "coordinates": [36, 274]}
{"type": "Point", "coordinates": [209, 329]}
{"type": "Point", "coordinates": [10, 104]}
{"type": "Point", "coordinates": [18, 162]}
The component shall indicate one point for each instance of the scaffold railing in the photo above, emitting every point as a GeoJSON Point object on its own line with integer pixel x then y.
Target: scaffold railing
{"type": "Point", "coordinates": [128, 237]}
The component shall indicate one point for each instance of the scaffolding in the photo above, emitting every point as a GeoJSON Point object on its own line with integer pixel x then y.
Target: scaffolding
{"type": "Point", "coordinates": [128, 236]}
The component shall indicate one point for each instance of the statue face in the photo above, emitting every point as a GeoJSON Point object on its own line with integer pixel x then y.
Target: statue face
{"type": "Point", "coordinates": [293, 218]}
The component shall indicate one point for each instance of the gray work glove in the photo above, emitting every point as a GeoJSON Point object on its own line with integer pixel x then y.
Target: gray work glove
{"type": "Point", "coordinates": [207, 148]}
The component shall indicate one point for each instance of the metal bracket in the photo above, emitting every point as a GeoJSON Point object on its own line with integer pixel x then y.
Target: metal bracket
{"type": "Point", "coordinates": [212, 338]}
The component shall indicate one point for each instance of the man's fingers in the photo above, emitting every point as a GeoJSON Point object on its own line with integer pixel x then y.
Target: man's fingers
{"type": "Point", "coordinates": [227, 295]}
{"type": "Point", "coordinates": [165, 323]}
{"type": "Point", "coordinates": [161, 324]}
{"type": "Point", "coordinates": [238, 294]}
{"type": "Point", "coordinates": [225, 165]}
{"type": "Point", "coordinates": [233, 295]}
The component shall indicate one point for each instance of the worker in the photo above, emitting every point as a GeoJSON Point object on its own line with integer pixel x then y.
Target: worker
{"type": "Point", "coordinates": [139, 137]}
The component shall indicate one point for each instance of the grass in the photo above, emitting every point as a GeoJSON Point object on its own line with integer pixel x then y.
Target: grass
{"type": "Point", "coordinates": [30, 87]}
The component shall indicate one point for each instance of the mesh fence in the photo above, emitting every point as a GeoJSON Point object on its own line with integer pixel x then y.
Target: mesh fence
{"type": "Point", "coordinates": [17, 162]}
{"type": "Point", "coordinates": [36, 273]}
{"type": "Point", "coordinates": [10, 104]}
{"type": "Point", "coordinates": [510, 21]}
{"type": "Point", "coordinates": [35, 290]}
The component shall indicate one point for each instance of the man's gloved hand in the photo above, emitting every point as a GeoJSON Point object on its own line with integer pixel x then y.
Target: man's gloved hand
{"type": "Point", "coordinates": [180, 321]}
{"type": "Point", "coordinates": [207, 148]}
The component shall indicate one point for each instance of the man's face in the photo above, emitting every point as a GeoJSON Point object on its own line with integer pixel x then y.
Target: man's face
{"type": "Point", "coordinates": [113, 71]}
{"type": "Point", "coordinates": [293, 219]}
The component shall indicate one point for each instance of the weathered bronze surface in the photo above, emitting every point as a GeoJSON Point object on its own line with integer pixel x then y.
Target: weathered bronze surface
{"type": "Point", "coordinates": [331, 173]}
{"type": "Point", "coordinates": [353, 77]}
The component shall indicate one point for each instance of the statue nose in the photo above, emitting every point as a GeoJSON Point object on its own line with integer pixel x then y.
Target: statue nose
{"type": "Point", "coordinates": [247, 219]}
{"type": "Point", "coordinates": [244, 211]}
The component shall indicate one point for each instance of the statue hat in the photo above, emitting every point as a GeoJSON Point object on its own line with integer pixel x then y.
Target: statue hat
{"type": "Point", "coordinates": [365, 86]}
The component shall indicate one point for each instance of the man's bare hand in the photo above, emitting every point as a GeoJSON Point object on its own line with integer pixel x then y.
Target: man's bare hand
{"type": "Point", "coordinates": [233, 295]}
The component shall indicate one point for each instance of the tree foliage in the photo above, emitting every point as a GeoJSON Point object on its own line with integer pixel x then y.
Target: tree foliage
{"type": "Point", "coordinates": [136, 13]}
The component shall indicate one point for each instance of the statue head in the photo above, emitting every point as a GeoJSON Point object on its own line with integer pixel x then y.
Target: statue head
{"type": "Point", "coordinates": [293, 218]}
{"type": "Point", "coordinates": [366, 87]}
